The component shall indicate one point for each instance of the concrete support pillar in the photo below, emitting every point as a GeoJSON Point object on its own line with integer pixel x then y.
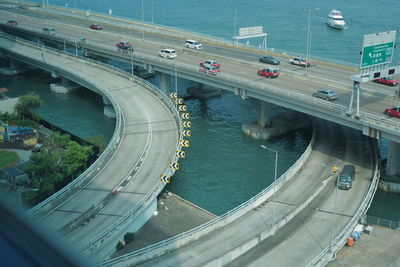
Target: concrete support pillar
{"type": "Point", "coordinates": [14, 65]}
{"type": "Point", "coordinates": [393, 160]}
{"type": "Point", "coordinates": [64, 87]}
{"type": "Point", "coordinates": [106, 101]}
{"type": "Point", "coordinates": [54, 74]}
{"type": "Point", "coordinates": [264, 115]}
{"type": "Point", "coordinates": [165, 82]}
{"type": "Point", "coordinates": [65, 81]}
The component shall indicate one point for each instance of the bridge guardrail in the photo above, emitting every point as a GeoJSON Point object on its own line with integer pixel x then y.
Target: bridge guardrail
{"type": "Point", "coordinates": [91, 171]}
{"type": "Point", "coordinates": [368, 119]}
{"type": "Point", "coordinates": [368, 219]}
{"type": "Point", "coordinates": [167, 245]}
{"type": "Point", "coordinates": [329, 253]}
{"type": "Point", "coordinates": [330, 106]}
{"type": "Point", "coordinates": [175, 32]}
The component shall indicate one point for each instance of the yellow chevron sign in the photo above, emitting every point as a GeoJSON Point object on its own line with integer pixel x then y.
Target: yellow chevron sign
{"type": "Point", "coordinates": [178, 101]}
{"type": "Point", "coordinates": [173, 95]}
{"type": "Point", "coordinates": [174, 165]}
{"type": "Point", "coordinates": [185, 116]}
{"type": "Point", "coordinates": [180, 154]}
{"type": "Point", "coordinates": [187, 133]}
{"type": "Point", "coordinates": [182, 107]}
{"type": "Point", "coordinates": [165, 178]}
{"type": "Point", "coordinates": [185, 143]}
{"type": "Point", "coordinates": [186, 124]}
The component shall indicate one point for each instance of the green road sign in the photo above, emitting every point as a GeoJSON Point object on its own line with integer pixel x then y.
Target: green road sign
{"type": "Point", "coordinates": [377, 54]}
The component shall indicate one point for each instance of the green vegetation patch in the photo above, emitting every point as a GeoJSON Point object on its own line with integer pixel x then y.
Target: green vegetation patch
{"type": "Point", "coordinates": [8, 158]}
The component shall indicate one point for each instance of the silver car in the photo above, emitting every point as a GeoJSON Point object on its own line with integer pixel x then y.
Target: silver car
{"type": "Point", "coordinates": [326, 94]}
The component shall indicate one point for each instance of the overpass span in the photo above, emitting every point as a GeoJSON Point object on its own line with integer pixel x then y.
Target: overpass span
{"type": "Point", "coordinates": [145, 141]}
{"type": "Point", "coordinates": [293, 89]}
{"type": "Point", "coordinates": [315, 220]}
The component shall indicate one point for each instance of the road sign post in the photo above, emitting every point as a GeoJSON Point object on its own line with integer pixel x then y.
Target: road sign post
{"type": "Point", "coordinates": [376, 55]}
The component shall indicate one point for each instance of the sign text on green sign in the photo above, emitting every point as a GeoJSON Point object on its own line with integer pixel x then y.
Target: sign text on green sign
{"type": "Point", "coordinates": [377, 54]}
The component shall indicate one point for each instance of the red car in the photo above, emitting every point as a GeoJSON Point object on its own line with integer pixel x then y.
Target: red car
{"type": "Point", "coordinates": [210, 63]}
{"type": "Point", "coordinates": [269, 72]}
{"type": "Point", "coordinates": [209, 69]}
{"type": "Point", "coordinates": [95, 27]}
{"type": "Point", "coordinates": [393, 111]}
{"type": "Point", "coordinates": [387, 81]}
{"type": "Point", "coordinates": [125, 45]}
{"type": "Point", "coordinates": [12, 23]}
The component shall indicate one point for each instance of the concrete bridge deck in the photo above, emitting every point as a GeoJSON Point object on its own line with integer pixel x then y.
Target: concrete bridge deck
{"type": "Point", "coordinates": [320, 77]}
{"type": "Point", "coordinates": [310, 231]}
{"type": "Point", "coordinates": [146, 143]}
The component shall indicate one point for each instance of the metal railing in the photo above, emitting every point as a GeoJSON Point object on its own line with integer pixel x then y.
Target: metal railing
{"type": "Point", "coordinates": [95, 168]}
{"type": "Point", "coordinates": [367, 118]}
{"type": "Point", "coordinates": [170, 31]}
{"type": "Point", "coordinates": [329, 253]}
{"type": "Point", "coordinates": [368, 219]}
{"type": "Point", "coordinates": [177, 241]}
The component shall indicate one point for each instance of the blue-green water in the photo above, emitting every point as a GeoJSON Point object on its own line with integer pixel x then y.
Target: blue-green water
{"type": "Point", "coordinates": [223, 167]}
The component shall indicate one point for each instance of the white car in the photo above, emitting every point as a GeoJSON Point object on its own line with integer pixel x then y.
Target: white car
{"type": "Point", "coordinates": [167, 53]}
{"type": "Point", "coordinates": [193, 44]}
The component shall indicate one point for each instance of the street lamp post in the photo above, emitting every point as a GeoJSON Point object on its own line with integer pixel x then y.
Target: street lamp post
{"type": "Point", "coordinates": [309, 32]}
{"type": "Point", "coordinates": [334, 213]}
{"type": "Point", "coordinates": [275, 176]}
{"type": "Point", "coordinates": [143, 19]}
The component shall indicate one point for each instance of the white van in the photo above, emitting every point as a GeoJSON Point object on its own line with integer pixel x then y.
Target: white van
{"type": "Point", "coordinates": [49, 31]}
{"type": "Point", "coordinates": [193, 44]}
{"type": "Point", "coordinates": [167, 53]}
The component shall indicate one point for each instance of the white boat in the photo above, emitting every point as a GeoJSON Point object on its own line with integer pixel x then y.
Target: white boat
{"type": "Point", "coordinates": [336, 20]}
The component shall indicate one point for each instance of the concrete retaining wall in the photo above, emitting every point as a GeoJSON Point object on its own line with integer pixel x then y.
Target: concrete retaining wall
{"type": "Point", "coordinates": [389, 187]}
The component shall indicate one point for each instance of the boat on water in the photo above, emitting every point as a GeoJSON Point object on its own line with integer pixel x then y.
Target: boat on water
{"type": "Point", "coordinates": [335, 20]}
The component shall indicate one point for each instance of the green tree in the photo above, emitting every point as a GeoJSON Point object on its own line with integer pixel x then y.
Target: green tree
{"type": "Point", "coordinates": [74, 157]}
{"type": "Point", "coordinates": [128, 237]}
{"type": "Point", "coordinates": [119, 245]}
{"type": "Point", "coordinates": [58, 160]}
{"type": "Point", "coordinates": [26, 103]}
{"type": "Point", "coordinates": [97, 140]}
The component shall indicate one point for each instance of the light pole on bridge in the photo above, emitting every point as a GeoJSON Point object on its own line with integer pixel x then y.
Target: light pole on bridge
{"type": "Point", "coordinates": [309, 33]}
{"type": "Point", "coordinates": [275, 176]}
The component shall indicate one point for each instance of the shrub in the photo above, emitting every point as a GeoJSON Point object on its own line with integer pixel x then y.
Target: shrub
{"type": "Point", "coordinates": [120, 245]}
{"type": "Point", "coordinates": [128, 237]}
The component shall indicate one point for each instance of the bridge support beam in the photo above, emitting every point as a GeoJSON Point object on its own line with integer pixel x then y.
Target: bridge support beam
{"type": "Point", "coordinates": [165, 82]}
{"type": "Point", "coordinates": [393, 160]}
{"type": "Point", "coordinates": [276, 125]}
{"type": "Point", "coordinates": [64, 87]}
{"type": "Point", "coordinates": [108, 109]}
{"type": "Point", "coordinates": [264, 114]}
{"type": "Point", "coordinates": [14, 68]}
{"type": "Point", "coordinates": [203, 91]}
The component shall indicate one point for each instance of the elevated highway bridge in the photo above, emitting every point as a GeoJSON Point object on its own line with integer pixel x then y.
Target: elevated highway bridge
{"type": "Point", "coordinates": [292, 90]}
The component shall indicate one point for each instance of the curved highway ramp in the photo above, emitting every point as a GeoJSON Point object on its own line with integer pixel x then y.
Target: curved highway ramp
{"type": "Point", "coordinates": [144, 142]}
{"type": "Point", "coordinates": [306, 217]}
